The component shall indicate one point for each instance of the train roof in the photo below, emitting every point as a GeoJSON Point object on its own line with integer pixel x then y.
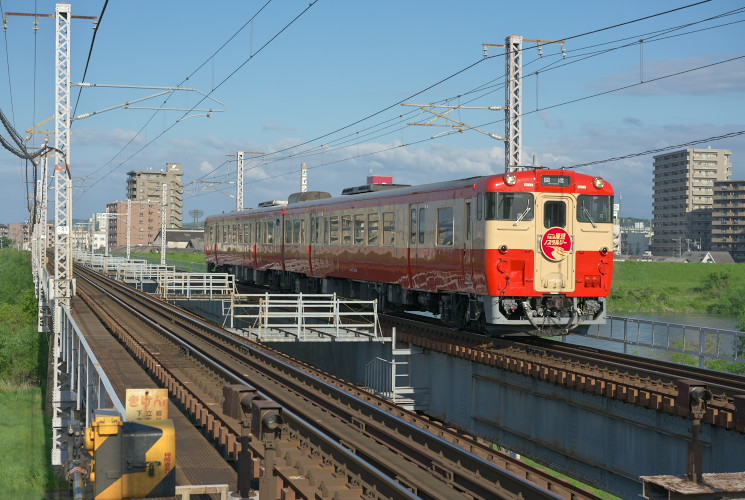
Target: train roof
{"type": "Point", "coordinates": [405, 190]}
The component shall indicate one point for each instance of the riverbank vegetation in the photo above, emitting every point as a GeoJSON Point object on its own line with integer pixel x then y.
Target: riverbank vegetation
{"type": "Point", "coordinates": [670, 287]}
{"type": "Point", "coordinates": [24, 464]}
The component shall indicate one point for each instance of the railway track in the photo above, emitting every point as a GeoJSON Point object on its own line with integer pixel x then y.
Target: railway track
{"type": "Point", "coordinates": [338, 440]}
{"type": "Point", "coordinates": [648, 383]}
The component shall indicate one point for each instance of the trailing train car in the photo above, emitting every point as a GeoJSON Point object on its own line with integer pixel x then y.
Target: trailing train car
{"type": "Point", "coordinates": [525, 251]}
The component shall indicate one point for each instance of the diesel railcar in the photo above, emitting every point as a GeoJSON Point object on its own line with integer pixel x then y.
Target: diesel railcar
{"type": "Point", "coordinates": [530, 250]}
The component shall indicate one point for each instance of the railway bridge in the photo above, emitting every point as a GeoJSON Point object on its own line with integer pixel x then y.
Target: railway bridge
{"type": "Point", "coordinates": [606, 421]}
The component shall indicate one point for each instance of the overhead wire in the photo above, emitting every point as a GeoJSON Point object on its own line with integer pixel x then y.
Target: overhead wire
{"type": "Point", "coordinates": [168, 97]}
{"type": "Point", "coordinates": [659, 150]}
{"type": "Point", "coordinates": [650, 37]}
{"type": "Point", "coordinates": [90, 53]}
{"type": "Point", "coordinates": [474, 64]}
{"type": "Point", "coordinates": [7, 66]}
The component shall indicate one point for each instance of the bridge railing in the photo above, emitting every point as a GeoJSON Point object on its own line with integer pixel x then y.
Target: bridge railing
{"type": "Point", "coordinates": [685, 343]}
{"type": "Point", "coordinates": [83, 386]}
{"type": "Point", "coordinates": [304, 317]}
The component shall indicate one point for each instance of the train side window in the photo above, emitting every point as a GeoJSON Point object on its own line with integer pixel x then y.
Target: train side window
{"type": "Point", "coordinates": [554, 214]}
{"type": "Point", "coordinates": [288, 231]}
{"type": "Point", "coordinates": [445, 226]}
{"type": "Point", "coordinates": [421, 225]}
{"type": "Point", "coordinates": [595, 208]}
{"type": "Point", "coordinates": [259, 232]}
{"type": "Point", "coordinates": [297, 231]}
{"type": "Point", "coordinates": [334, 230]}
{"type": "Point", "coordinates": [303, 238]}
{"type": "Point", "coordinates": [346, 229]}
{"type": "Point", "coordinates": [389, 228]}
{"type": "Point", "coordinates": [269, 232]}
{"type": "Point", "coordinates": [359, 229]}
{"type": "Point", "coordinates": [326, 230]}
{"type": "Point", "coordinates": [509, 206]}
{"type": "Point", "coordinates": [373, 221]}
{"type": "Point", "coordinates": [468, 220]}
{"type": "Point", "coordinates": [412, 226]}
{"type": "Point", "coordinates": [479, 207]}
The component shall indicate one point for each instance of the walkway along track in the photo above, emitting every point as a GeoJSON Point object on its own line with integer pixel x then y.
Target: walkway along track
{"type": "Point", "coordinates": [338, 440]}
{"type": "Point", "coordinates": [645, 382]}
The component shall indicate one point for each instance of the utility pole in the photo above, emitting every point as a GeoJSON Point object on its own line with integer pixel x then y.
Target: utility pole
{"type": "Point", "coordinates": [513, 130]}
{"type": "Point", "coordinates": [163, 215]}
{"type": "Point", "coordinates": [62, 288]}
{"type": "Point", "coordinates": [240, 181]}
{"type": "Point", "coordinates": [129, 226]}
{"type": "Point", "coordinates": [513, 46]}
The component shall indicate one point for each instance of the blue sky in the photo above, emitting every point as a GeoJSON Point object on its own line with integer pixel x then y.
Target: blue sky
{"type": "Point", "coordinates": [342, 61]}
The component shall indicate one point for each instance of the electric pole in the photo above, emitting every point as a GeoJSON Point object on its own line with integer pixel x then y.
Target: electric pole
{"type": "Point", "coordinates": [239, 181]}
{"type": "Point", "coordinates": [513, 132]}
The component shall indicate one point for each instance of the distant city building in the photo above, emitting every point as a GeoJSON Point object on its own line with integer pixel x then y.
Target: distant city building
{"type": "Point", "coordinates": [684, 199]}
{"type": "Point", "coordinates": [20, 234]}
{"type": "Point", "coordinates": [183, 239]}
{"type": "Point", "coordinates": [728, 219]}
{"type": "Point", "coordinates": [147, 186]}
{"type": "Point", "coordinates": [143, 227]}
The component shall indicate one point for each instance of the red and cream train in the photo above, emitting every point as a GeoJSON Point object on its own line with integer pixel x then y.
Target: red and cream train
{"type": "Point", "coordinates": [528, 250]}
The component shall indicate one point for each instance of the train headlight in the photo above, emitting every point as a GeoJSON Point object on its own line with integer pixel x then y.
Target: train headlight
{"type": "Point", "coordinates": [510, 179]}
{"type": "Point", "coordinates": [599, 182]}
{"type": "Point", "coordinates": [604, 251]}
{"type": "Point", "coordinates": [503, 249]}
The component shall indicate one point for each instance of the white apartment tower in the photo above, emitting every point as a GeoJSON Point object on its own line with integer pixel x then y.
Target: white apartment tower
{"type": "Point", "coordinates": [684, 199]}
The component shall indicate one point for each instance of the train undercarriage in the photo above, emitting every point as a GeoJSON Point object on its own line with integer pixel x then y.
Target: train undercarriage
{"type": "Point", "coordinates": [546, 315]}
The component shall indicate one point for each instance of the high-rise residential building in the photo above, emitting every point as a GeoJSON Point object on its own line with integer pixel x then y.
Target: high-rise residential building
{"type": "Point", "coordinates": [728, 219]}
{"type": "Point", "coordinates": [684, 198]}
{"type": "Point", "coordinates": [143, 227]}
{"type": "Point", "coordinates": [147, 186]}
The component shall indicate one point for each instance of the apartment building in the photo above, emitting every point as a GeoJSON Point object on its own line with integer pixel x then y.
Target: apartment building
{"type": "Point", "coordinates": [728, 219]}
{"type": "Point", "coordinates": [684, 199]}
{"type": "Point", "coordinates": [143, 224]}
{"type": "Point", "coordinates": [147, 186]}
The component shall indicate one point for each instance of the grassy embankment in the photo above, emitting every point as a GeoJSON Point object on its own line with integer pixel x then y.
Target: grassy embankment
{"type": "Point", "coordinates": [186, 257]}
{"type": "Point", "coordinates": [25, 470]}
{"type": "Point", "coordinates": [666, 287]}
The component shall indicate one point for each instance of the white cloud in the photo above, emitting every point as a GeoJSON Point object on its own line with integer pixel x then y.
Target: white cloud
{"type": "Point", "coordinates": [274, 127]}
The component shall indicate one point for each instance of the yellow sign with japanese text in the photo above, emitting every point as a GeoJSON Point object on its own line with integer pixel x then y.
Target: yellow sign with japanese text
{"type": "Point", "coordinates": [146, 404]}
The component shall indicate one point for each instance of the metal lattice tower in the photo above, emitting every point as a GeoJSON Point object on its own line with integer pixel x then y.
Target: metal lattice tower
{"type": "Point", "coordinates": [129, 227]}
{"type": "Point", "coordinates": [163, 219]}
{"type": "Point", "coordinates": [513, 102]}
{"type": "Point", "coordinates": [62, 179]}
{"type": "Point", "coordinates": [62, 282]}
{"type": "Point", "coordinates": [303, 177]}
{"type": "Point", "coordinates": [239, 182]}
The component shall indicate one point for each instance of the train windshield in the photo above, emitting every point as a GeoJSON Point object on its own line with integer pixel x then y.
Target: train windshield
{"type": "Point", "coordinates": [509, 206]}
{"type": "Point", "coordinates": [595, 209]}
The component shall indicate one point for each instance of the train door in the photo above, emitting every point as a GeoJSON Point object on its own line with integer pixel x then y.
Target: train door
{"type": "Point", "coordinates": [468, 257]}
{"type": "Point", "coordinates": [416, 250]}
{"type": "Point", "coordinates": [555, 254]}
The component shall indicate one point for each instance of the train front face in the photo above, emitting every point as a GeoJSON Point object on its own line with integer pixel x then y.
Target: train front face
{"type": "Point", "coordinates": [549, 250]}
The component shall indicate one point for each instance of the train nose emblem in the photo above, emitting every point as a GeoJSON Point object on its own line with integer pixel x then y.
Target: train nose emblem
{"type": "Point", "coordinates": [556, 244]}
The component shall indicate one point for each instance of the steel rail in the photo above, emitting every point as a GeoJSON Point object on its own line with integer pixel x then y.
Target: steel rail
{"type": "Point", "coordinates": [473, 473]}
{"type": "Point", "coordinates": [380, 484]}
{"type": "Point", "coordinates": [634, 379]}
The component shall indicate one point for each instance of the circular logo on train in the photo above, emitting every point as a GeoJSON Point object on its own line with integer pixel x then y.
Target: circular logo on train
{"type": "Point", "coordinates": [556, 244]}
